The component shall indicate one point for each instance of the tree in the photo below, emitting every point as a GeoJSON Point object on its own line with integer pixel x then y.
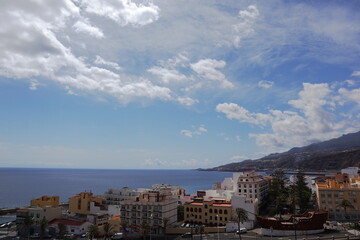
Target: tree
{"type": "Point", "coordinates": [180, 213]}
{"type": "Point", "coordinates": [302, 191]}
{"type": "Point", "coordinates": [345, 204]}
{"type": "Point", "coordinates": [43, 224]}
{"type": "Point", "coordinates": [144, 229]}
{"type": "Point", "coordinates": [165, 224]}
{"type": "Point", "coordinates": [108, 228]}
{"type": "Point", "coordinates": [241, 216]}
{"type": "Point", "coordinates": [124, 225]}
{"type": "Point", "coordinates": [62, 230]}
{"type": "Point", "coordinates": [93, 231]}
{"type": "Point", "coordinates": [278, 193]}
{"type": "Point", "coordinates": [27, 224]}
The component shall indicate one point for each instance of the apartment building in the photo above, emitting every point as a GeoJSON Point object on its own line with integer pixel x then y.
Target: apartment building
{"type": "Point", "coordinates": [251, 185]}
{"type": "Point", "coordinates": [43, 201]}
{"type": "Point", "coordinates": [213, 212]}
{"type": "Point", "coordinates": [115, 196]}
{"type": "Point", "coordinates": [151, 207]}
{"type": "Point", "coordinates": [80, 203]}
{"type": "Point", "coordinates": [331, 192]}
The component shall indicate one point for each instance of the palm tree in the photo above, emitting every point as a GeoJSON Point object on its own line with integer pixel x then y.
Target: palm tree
{"type": "Point", "coordinates": [345, 204]}
{"type": "Point", "coordinates": [93, 230]}
{"type": "Point", "coordinates": [108, 228]}
{"type": "Point", "coordinates": [62, 230]}
{"type": "Point", "coordinates": [43, 223]}
{"type": "Point", "coordinates": [124, 225]}
{"type": "Point", "coordinates": [27, 223]}
{"type": "Point", "coordinates": [144, 228]}
{"type": "Point", "coordinates": [165, 223]}
{"type": "Point", "coordinates": [241, 216]}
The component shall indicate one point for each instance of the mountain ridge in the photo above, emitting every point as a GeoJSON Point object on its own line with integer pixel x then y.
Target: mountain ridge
{"type": "Point", "coordinates": [333, 154]}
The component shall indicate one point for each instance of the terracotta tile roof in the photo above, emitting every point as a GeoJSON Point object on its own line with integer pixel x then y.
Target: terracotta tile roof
{"type": "Point", "coordinates": [66, 222]}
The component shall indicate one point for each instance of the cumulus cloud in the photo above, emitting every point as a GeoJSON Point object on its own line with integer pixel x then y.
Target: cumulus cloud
{"type": "Point", "coordinates": [245, 26]}
{"type": "Point", "coordinates": [168, 76]}
{"type": "Point", "coordinates": [207, 69]}
{"type": "Point", "coordinates": [351, 95]}
{"type": "Point", "coordinates": [85, 27]}
{"type": "Point", "coordinates": [39, 53]}
{"type": "Point", "coordinates": [311, 121]}
{"type": "Point", "coordinates": [197, 132]}
{"type": "Point", "coordinates": [265, 84]}
{"type": "Point", "coordinates": [123, 11]}
{"type": "Point", "coordinates": [100, 61]}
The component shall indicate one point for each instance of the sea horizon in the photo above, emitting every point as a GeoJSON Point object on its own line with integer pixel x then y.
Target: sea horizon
{"type": "Point", "coordinates": [19, 185]}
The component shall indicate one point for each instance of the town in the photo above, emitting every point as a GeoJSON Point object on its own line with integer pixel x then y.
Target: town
{"type": "Point", "coordinates": [249, 204]}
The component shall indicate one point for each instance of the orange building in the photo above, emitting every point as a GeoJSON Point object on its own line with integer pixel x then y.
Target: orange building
{"type": "Point", "coordinates": [333, 191]}
{"type": "Point", "coordinates": [80, 203]}
{"type": "Point", "coordinates": [209, 212]}
{"type": "Point", "coordinates": [44, 201]}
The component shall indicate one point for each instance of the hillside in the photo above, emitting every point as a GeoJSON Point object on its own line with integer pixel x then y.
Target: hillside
{"type": "Point", "coordinates": [333, 154]}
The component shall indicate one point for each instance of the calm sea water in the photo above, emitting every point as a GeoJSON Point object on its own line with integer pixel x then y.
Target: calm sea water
{"type": "Point", "coordinates": [18, 186]}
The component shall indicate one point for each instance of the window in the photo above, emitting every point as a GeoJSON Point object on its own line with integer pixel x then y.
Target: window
{"type": "Point", "coordinates": [215, 211]}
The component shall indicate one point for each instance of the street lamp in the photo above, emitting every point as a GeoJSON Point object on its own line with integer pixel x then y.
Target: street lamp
{"type": "Point", "coordinates": [217, 217]}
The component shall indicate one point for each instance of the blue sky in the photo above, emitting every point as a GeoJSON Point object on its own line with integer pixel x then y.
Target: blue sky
{"type": "Point", "coordinates": [173, 84]}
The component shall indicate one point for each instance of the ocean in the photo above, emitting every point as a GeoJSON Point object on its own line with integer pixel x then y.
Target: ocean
{"type": "Point", "coordinates": [19, 185]}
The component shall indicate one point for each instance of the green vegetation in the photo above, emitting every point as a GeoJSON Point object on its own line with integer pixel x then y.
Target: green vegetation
{"type": "Point", "coordinates": [286, 198]}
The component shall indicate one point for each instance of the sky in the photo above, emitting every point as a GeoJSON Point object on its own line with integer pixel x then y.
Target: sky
{"type": "Point", "coordinates": [163, 84]}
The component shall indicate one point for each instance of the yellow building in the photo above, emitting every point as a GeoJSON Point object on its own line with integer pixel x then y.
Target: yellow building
{"type": "Point", "coordinates": [209, 212]}
{"type": "Point", "coordinates": [43, 201]}
{"type": "Point", "coordinates": [80, 203]}
{"type": "Point", "coordinates": [333, 191]}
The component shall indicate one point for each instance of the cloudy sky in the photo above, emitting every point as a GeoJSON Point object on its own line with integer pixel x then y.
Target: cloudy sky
{"type": "Point", "coordinates": [173, 84]}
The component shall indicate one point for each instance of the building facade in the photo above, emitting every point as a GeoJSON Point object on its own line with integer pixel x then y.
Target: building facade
{"type": "Point", "coordinates": [43, 201]}
{"type": "Point", "coordinates": [152, 208]}
{"type": "Point", "coordinates": [208, 212]}
{"type": "Point", "coordinates": [80, 203]}
{"type": "Point", "coordinates": [251, 185]}
{"type": "Point", "coordinates": [115, 196]}
{"type": "Point", "coordinates": [331, 192]}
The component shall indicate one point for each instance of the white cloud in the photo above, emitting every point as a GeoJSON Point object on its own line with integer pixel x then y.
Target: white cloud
{"type": "Point", "coordinates": [352, 95]}
{"type": "Point", "coordinates": [168, 76]}
{"type": "Point", "coordinates": [100, 61]}
{"type": "Point", "coordinates": [34, 84]}
{"type": "Point", "coordinates": [245, 27]}
{"type": "Point", "coordinates": [199, 131]}
{"type": "Point", "coordinates": [123, 12]}
{"type": "Point", "coordinates": [85, 27]}
{"type": "Point", "coordinates": [238, 138]}
{"type": "Point", "coordinates": [207, 69]}
{"type": "Point", "coordinates": [311, 122]}
{"type": "Point", "coordinates": [265, 84]}
{"type": "Point", "coordinates": [187, 101]}
{"type": "Point", "coordinates": [355, 74]}
{"type": "Point", "coordinates": [234, 111]}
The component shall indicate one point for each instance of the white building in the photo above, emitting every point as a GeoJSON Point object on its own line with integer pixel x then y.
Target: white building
{"type": "Point", "coordinates": [151, 207]}
{"type": "Point", "coordinates": [251, 185]}
{"type": "Point", "coordinates": [115, 196]}
{"type": "Point", "coordinates": [250, 206]}
{"type": "Point", "coordinates": [72, 226]}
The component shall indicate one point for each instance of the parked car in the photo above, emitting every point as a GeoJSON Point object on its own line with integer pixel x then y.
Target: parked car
{"type": "Point", "coordinates": [183, 225]}
{"type": "Point", "coordinates": [186, 235]}
{"type": "Point", "coordinates": [117, 236]}
{"type": "Point", "coordinates": [242, 230]}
